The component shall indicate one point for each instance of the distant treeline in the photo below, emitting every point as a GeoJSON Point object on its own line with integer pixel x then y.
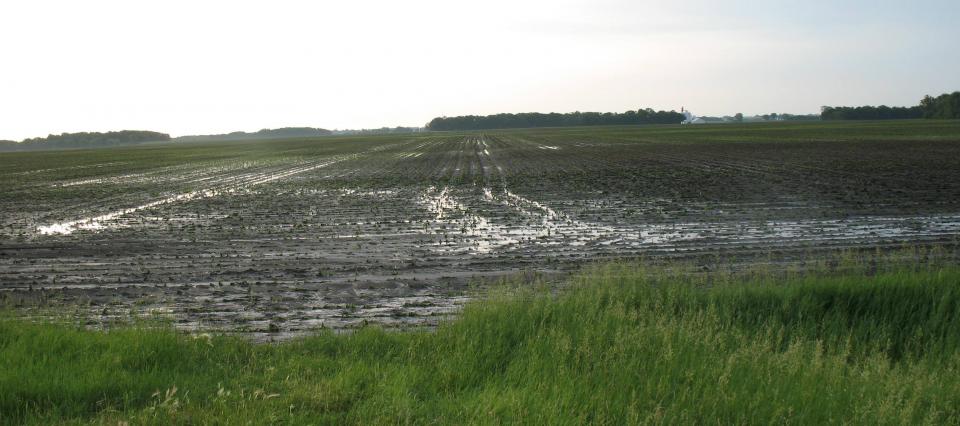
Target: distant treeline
{"type": "Point", "coordinates": [789, 117]}
{"type": "Point", "coordinates": [881, 112]}
{"type": "Point", "coordinates": [281, 133]}
{"type": "Point", "coordinates": [86, 140]}
{"type": "Point", "coordinates": [943, 107]}
{"type": "Point", "coordinates": [380, 131]}
{"type": "Point", "coordinates": [536, 119]}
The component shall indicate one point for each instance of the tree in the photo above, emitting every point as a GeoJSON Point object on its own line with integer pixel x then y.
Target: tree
{"type": "Point", "coordinates": [945, 106]}
{"type": "Point", "coordinates": [535, 119]}
{"type": "Point", "coordinates": [95, 139]}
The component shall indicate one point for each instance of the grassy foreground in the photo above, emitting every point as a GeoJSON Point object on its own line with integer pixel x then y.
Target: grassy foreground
{"type": "Point", "coordinates": [622, 345]}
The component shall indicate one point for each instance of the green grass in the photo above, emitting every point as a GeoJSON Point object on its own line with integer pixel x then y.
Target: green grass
{"type": "Point", "coordinates": [622, 344]}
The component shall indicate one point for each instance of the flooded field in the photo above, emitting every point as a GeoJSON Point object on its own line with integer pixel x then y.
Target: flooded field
{"type": "Point", "coordinates": [278, 238]}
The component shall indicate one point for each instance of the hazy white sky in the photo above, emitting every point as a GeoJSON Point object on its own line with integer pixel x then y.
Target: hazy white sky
{"type": "Point", "coordinates": [193, 67]}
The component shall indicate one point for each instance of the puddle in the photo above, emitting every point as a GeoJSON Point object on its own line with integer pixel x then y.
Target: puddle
{"type": "Point", "coordinates": [100, 222]}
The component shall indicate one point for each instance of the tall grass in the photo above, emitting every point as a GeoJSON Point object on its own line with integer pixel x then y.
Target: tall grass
{"type": "Point", "coordinates": [622, 344]}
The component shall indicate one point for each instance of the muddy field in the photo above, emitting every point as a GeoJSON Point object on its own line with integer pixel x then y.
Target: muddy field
{"type": "Point", "coordinates": [277, 238]}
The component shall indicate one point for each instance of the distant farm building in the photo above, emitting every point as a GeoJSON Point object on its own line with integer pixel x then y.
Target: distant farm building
{"type": "Point", "coordinates": [689, 118]}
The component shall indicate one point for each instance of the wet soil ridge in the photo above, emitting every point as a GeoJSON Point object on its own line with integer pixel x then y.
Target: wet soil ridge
{"type": "Point", "coordinates": [279, 238]}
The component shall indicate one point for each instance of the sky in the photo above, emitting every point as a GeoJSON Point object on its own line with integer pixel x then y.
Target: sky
{"type": "Point", "coordinates": [201, 67]}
